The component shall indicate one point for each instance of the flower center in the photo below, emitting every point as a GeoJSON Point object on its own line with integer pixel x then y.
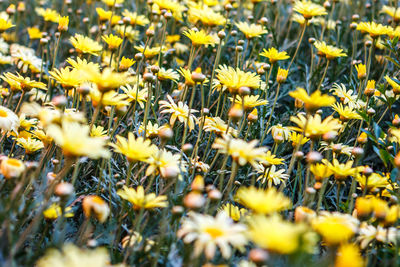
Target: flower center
{"type": "Point", "coordinates": [3, 113]}
{"type": "Point", "coordinates": [214, 232]}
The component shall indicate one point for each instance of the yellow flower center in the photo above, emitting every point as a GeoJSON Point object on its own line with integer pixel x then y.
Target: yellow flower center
{"type": "Point", "coordinates": [14, 162]}
{"type": "Point", "coordinates": [214, 232]}
{"type": "Point", "coordinates": [3, 113]}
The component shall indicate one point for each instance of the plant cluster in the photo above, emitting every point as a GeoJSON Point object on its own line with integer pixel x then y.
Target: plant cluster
{"type": "Point", "coordinates": [199, 133]}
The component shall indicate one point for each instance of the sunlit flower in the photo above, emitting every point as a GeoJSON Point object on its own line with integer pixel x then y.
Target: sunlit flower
{"type": "Point", "coordinates": [30, 145]}
{"type": "Point", "coordinates": [112, 41]}
{"type": "Point", "coordinates": [218, 126]}
{"type": "Point", "coordinates": [314, 126]}
{"type": "Point", "coordinates": [233, 79]}
{"type": "Point", "coordinates": [241, 151]}
{"type": "Point", "coordinates": [349, 255]}
{"type": "Point", "coordinates": [330, 52]}
{"type": "Point", "coordinates": [314, 101]}
{"type": "Point", "coordinates": [134, 149]}
{"type": "Point", "coordinates": [308, 9]}
{"type": "Point", "coordinates": [200, 37]}
{"type": "Point", "coordinates": [275, 234]}
{"type": "Point", "coordinates": [164, 162]}
{"type": "Point", "coordinates": [250, 30]}
{"type": "Point", "coordinates": [135, 19]}
{"type": "Point", "coordinates": [374, 29]}
{"type": "Point", "coordinates": [85, 45]}
{"type": "Point", "coordinates": [180, 112]}
{"type": "Point", "coordinates": [262, 201]}
{"type": "Point", "coordinates": [74, 140]}
{"type": "Point", "coordinates": [233, 211]}
{"type": "Point", "coordinates": [271, 175]}
{"type": "Point", "coordinates": [274, 55]}
{"type": "Point", "coordinates": [346, 113]}
{"type": "Point", "coordinates": [335, 228]}
{"type": "Point", "coordinates": [54, 211]}
{"type": "Point", "coordinates": [5, 25]}
{"type": "Point", "coordinates": [208, 232]}
{"type": "Point", "coordinates": [140, 200]}
{"type": "Point", "coordinates": [342, 170]}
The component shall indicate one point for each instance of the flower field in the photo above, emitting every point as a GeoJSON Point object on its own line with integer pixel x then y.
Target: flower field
{"type": "Point", "coordinates": [199, 133]}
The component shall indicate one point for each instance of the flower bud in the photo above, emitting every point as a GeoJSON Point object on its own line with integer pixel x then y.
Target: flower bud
{"type": "Point", "coordinates": [194, 200]}
{"type": "Point", "coordinates": [214, 194]}
{"type": "Point", "coordinates": [258, 255]}
{"type": "Point", "coordinates": [313, 157]}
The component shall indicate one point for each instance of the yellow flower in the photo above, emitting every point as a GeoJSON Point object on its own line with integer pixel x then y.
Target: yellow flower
{"type": "Point", "coordinates": [150, 52]}
{"type": "Point", "coordinates": [170, 5]}
{"type": "Point", "coordinates": [63, 23]}
{"type": "Point", "coordinates": [108, 79]}
{"type": "Point", "coordinates": [34, 33]}
{"type": "Point", "coordinates": [233, 211]}
{"type": "Point", "coordinates": [314, 101]}
{"type": "Point", "coordinates": [251, 30]}
{"type": "Point", "coordinates": [71, 256]}
{"type": "Point", "coordinates": [330, 52]}
{"type": "Point", "coordinates": [112, 41]}
{"type": "Point", "coordinates": [374, 29]}
{"type": "Point", "coordinates": [187, 74]}
{"type": "Point", "coordinates": [250, 101]}
{"type": "Point", "coordinates": [98, 131]}
{"type": "Point", "coordinates": [343, 170]}
{"type": "Point", "coordinates": [373, 181]}
{"type": "Point", "coordinates": [140, 200]}
{"type": "Point", "coordinates": [135, 149]}
{"type": "Point", "coordinates": [169, 74]}
{"type": "Point", "coordinates": [320, 171]}
{"type": "Point", "coordinates": [233, 79]}
{"type": "Point", "coordinates": [25, 83]}
{"type": "Point", "coordinates": [9, 121]}
{"type": "Point", "coordinates": [103, 14]}
{"type": "Point", "coordinates": [297, 138]}
{"type": "Point", "coordinates": [126, 63]}
{"type": "Point", "coordinates": [348, 255]}
{"type": "Point", "coordinates": [165, 163]}
{"type": "Point", "coordinates": [68, 77]}
{"type": "Point", "coordinates": [276, 234]}
{"type": "Point", "coordinates": [205, 14]}
{"type": "Point", "coordinates": [5, 25]}
{"type": "Point", "coordinates": [271, 175]}
{"type": "Point", "coordinates": [308, 9]}
{"type": "Point", "coordinates": [346, 113]}
{"type": "Point", "coordinates": [111, 3]}
{"type": "Point", "coordinates": [110, 98]}
{"type": "Point", "coordinates": [218, 126]}
{"type": "Point", "coordinates": [241, 151]}
{"type": "Point", "coordinates": [180, 112]}
{"type": "Point", "coordinates": [281, 76]}
{"type": "Point", "coordinates": [361, 71]}
{"type": "Point", "coordinates": [200, 37]}
{"type": "Point", "coordinates": [48, 14]}
{"type": "Point", "coordinates": [392, 11]}
{"type": "Point", "coordinates": [135, 19]}
{"type": "Point", "coordinates": [85, 45]}
{"type": "Point", "coordinates": [75, 141]}
{"type": "Point", "coordinates": [54, 211]}
{"type": "Point", "coordinates": [133, 94]}
{"type": "Point", "coordinates": [152, 130]}
{"type": "Point", "coordinates": [30, 145]}
{"type": "Point", "coordinates": [11, 168]}
{"type": "Point", "coordinates": [262, 201]}
{"type": "Point", "coordinates": [395, 85]}
{"type": "Point", "coordinates": [209, 232]}
{"type": "Point", "coordinates": [274, 55]}
{"type": "Point", "coordinates": [269, 159]}
{"type": "Point", "coordinates": [97, 206]}
{"type": "Point", "coordinates": [335, 228]}
{"type": "Point", "coordinates": [313, 126]}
